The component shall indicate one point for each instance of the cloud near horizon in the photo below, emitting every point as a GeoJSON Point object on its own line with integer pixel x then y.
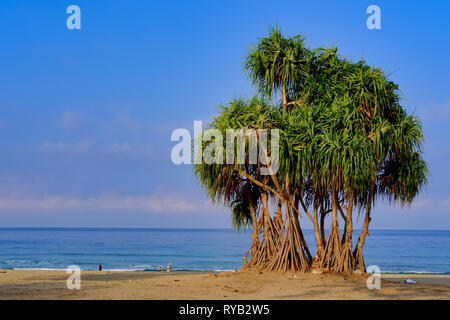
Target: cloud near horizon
{"type": "Point", "coordinates": [155, 203]}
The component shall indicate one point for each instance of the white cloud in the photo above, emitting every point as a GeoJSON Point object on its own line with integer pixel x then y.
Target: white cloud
{"type": "Point", "coordinates": [80, 146]}
{"type": "Point", "coordinates": [68, 120]}
{"type": "Point", "coordinates": [426, 205]}
{"type": "Point", "coordinates": [119, 147]}
{"type": "Point", "coordinates": [155, 203]}
{"type": "Point", "coordinates": [138, 151]}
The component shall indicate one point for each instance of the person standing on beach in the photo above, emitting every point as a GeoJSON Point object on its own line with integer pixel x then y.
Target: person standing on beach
{"type": "Point", "coordinates": [99, 267]}
{"type": "Point", "coordinates": [169, 267]}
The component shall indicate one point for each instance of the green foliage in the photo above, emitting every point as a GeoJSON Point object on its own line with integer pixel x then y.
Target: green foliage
{"type": "Point", "coordinates": [344, 132]}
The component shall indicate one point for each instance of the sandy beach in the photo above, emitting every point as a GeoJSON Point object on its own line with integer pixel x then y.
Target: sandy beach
{"type": "Point", "coordinates": [51, 284]}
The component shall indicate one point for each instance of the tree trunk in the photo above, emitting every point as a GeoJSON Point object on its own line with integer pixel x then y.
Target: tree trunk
{"type": "Point", "coordinates": [317, 234]}
{"type": "Point", "coordinates": [284, 98]}
{"type": "Point", "coordinates": [278, 222]}
{"type": "Point", "coordinates": [323, 214]}
{"type": "Point", "coordinates": [300, 232]}
{"type": "Point", "coordinates": [269, 241]}
{"type": "Point", "coordinates": [357, 253]}
{"type": "Point", "coordinates": [332, 253]}
{"type": "Point", "coordinates": [291, 255]}
{"type": "Point", "coordinates": [255, 247]}
{"type": "Point", "coordinates": [347, 261]}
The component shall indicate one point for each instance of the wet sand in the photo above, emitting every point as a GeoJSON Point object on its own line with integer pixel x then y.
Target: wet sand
{"type": "Point", "coordinates": [52, 284]}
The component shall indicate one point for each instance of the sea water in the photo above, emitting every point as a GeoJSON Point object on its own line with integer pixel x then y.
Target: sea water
{"type": "Point", "coordinates": [394, 251]}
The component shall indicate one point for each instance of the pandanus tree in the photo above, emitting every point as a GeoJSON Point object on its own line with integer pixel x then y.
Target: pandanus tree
{"type": "Point", "coordinates": [238, 185]}
{"type": "Point", "coordinates": [344, 141]}
{"type": "Point", "coordinates": [277, 65]}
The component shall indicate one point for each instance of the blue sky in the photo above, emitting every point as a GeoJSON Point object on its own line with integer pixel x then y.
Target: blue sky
{"type": "Point", "coordinates": [86, 115]}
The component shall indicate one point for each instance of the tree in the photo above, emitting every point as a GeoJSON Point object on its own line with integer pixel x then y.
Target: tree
{"type": "Point", "coordinates": [344, 141]}
{"type": "Point", "coordinates": [277, 65]}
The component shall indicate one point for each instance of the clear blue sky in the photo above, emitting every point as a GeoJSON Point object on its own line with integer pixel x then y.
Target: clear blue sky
{"type": "Point", "coordinates": [86, 115]}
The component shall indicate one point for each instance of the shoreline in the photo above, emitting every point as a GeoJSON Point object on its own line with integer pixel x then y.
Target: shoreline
{"type": "Point", "coordinates": [400, 273]}
{"type": "Point", "coordinates": [208, 285]}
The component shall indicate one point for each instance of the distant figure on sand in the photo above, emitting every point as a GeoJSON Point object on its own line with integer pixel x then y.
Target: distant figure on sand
{"type": "Point", "coordinates": [99, 267]}
{"type": "Point", "coordinates": [169, 267]}
{"type": "Point", "coordinates": [159, 268]}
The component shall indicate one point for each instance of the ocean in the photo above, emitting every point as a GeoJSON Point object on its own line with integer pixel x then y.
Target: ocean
{"type": "Point", "coordinates": [394, 251]}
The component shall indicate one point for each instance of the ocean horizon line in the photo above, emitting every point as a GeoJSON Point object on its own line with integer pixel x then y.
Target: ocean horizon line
{"type": "Point", "coordinates": [78, 228]}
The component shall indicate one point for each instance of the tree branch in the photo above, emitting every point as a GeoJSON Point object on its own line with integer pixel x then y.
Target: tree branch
{"type": "Point", "coordinates": [258, 183]}
{"type": "Point", "coordinates": [306, 209]}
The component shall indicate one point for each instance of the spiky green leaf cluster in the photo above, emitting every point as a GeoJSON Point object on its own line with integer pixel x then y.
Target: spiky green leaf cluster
{"type": "Point", "coordinates": [344, 131]}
